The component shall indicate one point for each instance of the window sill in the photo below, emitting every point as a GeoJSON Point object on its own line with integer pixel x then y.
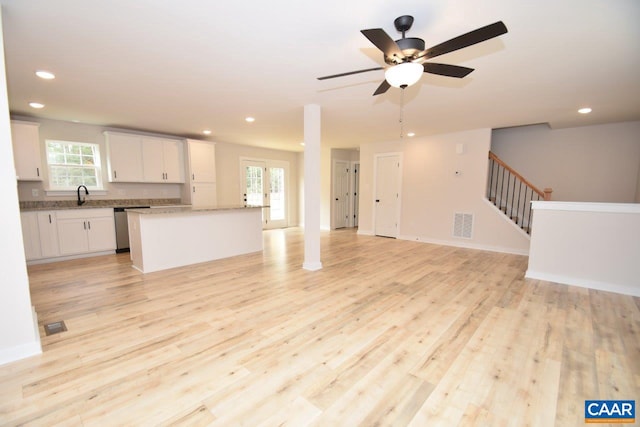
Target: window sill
{"type": "Point", "coordinates": [74, 193]}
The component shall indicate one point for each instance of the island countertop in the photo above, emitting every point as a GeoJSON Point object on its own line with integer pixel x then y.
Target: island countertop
{"type": "Point", "coordinates": [189, 209]}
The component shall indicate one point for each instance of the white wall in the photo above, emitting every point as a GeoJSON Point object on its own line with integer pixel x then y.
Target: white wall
{"type": "Point", "coordinates": [592, 163]}
{"type": "Point", "coordinates": [594, 245]}
{"type": "Point", "coordinates": [19, 336]}
{"type": "Point", "coordinates": [432, 192]}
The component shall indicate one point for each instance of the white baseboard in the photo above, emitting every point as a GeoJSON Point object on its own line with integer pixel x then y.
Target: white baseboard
{"type": "Point", "coordinates": [23, 351]}
{"type": "Point", "coordinates": [584, 283]}
{"type": "Point", "coordinates": [467, 245]}
{"type": "Point", "coordinates": [20, 352]}
{"type": "Point", "coordinates": [365, 232]}
{"type": "Point", "coordinates": [69, 257]}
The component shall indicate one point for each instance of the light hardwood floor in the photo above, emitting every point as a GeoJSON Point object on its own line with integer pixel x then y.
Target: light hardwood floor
{"type": "Point", "coordinates": [389, 332]}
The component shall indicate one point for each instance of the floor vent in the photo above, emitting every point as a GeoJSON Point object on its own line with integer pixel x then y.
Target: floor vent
{"type": "Point", "coordinates": [55, 327]}
{"type": "Point", "coordinates": [463, 225]}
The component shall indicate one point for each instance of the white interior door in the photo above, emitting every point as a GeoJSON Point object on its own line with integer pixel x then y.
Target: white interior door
{"type": "Point", "coordinates": [340, 194]}
{"type": "Point", "coordinates": [387, 195]}
{"type": "Point", "coordinates": [355, 192]}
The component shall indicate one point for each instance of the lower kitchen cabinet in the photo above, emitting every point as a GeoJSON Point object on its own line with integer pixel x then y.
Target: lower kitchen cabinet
{"type": "Point", "coordinates": [86, 230]}
{"type": "Point", "coordinates": [39, 234]}
{"type": "Point", "coordinates": [48, 229]}
{"type": "Point", "coordinates": [30, 235]}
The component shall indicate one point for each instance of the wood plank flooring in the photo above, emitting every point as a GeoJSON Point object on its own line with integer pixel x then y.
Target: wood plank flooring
{"type": "Point", "coordinates": [389, 332]}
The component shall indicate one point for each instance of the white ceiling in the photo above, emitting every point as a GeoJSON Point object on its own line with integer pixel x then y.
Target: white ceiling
{"type": "Point", "coordinates": [179, 67]}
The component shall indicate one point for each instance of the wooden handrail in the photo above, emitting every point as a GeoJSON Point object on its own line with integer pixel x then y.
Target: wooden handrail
{"type": "Point", "coordinates": [545, 194]}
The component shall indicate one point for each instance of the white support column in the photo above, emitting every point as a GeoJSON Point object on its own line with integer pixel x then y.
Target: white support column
{"type": "Point", "coordinates": [312, 188]}
{"type": "Point", "coordinates": [19, 337]}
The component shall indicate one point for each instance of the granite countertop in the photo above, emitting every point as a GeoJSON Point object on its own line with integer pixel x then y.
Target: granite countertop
{"type": "Point", "coordinates": [95, 204]}
{"type": "Point", "coordinates": [189, 209]}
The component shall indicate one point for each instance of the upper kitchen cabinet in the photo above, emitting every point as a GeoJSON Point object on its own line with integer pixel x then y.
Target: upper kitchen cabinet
{"type": "Point", "coordinates": [124, 157]}
{"type": "Point", "coordinates": [163, 160]}
{"type": "Point", "coordinates": [26, 150]}
{"type": "Point", "coordinates": [202, 156]}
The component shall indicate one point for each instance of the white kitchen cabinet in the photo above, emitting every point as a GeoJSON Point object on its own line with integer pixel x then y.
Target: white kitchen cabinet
{"type": "Point", "coordinates": [202, 157]}
{"type": "Point", "coordinates": [27, 158]}
{"type": "Point", "coordinates": [203, 194]}
{"type": "Point", "coordinates": [124, 157]}
{"type": "Point", "coordinates": [86, 230]}
{"type": "Point", "coordinates": [48, 228]}
{"type": "Point", "coordinates": [30, 235]}
{"type": "Point", "coordinates": [163, 160]}
{"type": "Point", "coordinates": [201, 178]}
{"type": "Point", "coordinates": [39, 234]}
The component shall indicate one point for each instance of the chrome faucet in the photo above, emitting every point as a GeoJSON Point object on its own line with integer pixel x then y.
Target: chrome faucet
{"type": "Point", "coordinates": [83, 200]}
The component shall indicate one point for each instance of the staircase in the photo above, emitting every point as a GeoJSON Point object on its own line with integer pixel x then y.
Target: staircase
{"type": "Point", "coordinates": [512, 193]}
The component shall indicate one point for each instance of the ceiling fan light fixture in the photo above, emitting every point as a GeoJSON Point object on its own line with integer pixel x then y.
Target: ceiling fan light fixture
{"type": "Point", "coordinates": [404, 75]}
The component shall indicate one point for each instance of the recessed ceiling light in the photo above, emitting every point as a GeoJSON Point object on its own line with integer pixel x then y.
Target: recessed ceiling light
{"type": "Point", "coordinates": [302, 143]}
{"type": "Point", "coordinates": [250, 119]}
{"type": "Point", "coordinates": [45, 75]}
{"type": "Point", "coordinates": [206, 132]}
{"type": "Point", "coordinates": [585, 110]}
{"type": "Point", "coordinates": [410, 134]}
{"type": "Point", "coordinates": [36, 105]}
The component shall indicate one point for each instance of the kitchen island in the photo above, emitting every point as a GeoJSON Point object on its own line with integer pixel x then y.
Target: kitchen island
{"type": "Point", "coordinates": [163, 238]}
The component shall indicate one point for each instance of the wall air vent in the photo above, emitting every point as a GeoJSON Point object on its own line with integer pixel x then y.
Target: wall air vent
{"type": "Point", "coordinates": [463, 225]}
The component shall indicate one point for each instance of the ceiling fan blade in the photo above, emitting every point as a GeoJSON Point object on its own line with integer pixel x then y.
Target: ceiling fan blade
{"type": "Point", "coordinates": [381, 39]}
{"type": "Point", "coordinates": [349, 73]}
{"type": "Point", "coordinates": [446, 69]}
{"type": "Point", "coordinates": [384, 86]}
{"type": "Point", "coordinates": [465, 40]}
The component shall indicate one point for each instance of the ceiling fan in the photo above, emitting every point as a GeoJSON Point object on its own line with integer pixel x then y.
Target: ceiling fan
{"type": "Point", "coordinates": [407, 56]}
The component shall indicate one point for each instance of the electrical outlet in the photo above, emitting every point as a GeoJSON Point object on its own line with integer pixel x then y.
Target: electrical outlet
{"type": "Point", "coordinates": [35, 192]}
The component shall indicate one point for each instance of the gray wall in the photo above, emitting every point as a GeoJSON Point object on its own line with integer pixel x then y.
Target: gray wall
{"type": "Point", "coordinates": [599, 163]}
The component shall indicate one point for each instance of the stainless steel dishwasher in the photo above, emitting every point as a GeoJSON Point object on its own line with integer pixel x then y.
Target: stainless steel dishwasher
{"type": "Point", "coordinates": [122, 228]}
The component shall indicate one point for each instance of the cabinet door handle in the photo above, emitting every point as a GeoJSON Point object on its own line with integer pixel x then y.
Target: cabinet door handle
{"type": "Point", "coordinates": [194, 188]}
{"type": "Point", "coordinates": [89, 224]}
{"type": "Point", "coordinates": [84, 224]}
{"type": "Point", "coordinates": [193, 176]}
{"type": "Point", "coordinates": [38, 171]}
{"type": "Point", "coordinates": [49, 218]}
{"type": "Point", "coordinates": [115, 175]}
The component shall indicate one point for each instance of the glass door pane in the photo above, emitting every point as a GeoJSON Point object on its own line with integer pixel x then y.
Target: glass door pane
{"type": "Point", "coordinates": [276, 194]}
{"type": "Point", "coordinates": [254, 179]}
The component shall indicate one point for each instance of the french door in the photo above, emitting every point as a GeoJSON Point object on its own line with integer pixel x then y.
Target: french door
{"type": "Point", "coordinates": [265, 183]}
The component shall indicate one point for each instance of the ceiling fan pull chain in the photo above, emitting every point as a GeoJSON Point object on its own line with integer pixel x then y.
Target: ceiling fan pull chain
{"type": "Point", "coordinates": [401, 113]}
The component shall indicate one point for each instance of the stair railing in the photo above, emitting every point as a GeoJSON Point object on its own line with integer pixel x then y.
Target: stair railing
{"type": "Point", "coordinates": [512, 193]}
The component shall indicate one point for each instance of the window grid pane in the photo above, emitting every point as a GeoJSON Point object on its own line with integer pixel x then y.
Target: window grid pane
{"type": "Point", "coordinates": [72, 164]}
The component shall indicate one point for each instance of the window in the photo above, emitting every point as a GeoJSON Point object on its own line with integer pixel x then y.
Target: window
{"type": "Point", "coordinates": [72, 164]}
